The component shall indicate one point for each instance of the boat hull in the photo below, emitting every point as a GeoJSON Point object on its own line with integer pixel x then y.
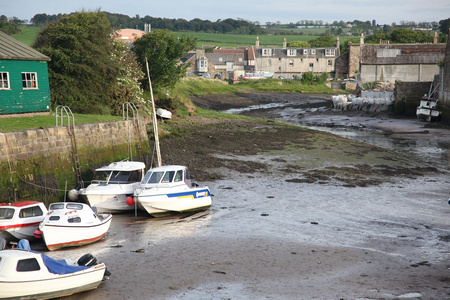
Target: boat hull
{"type": "Point", "coordinates": [63, 236]}
{"type": "Point", "coordinates": [109, 203]}
{"type": "Point", "coordinates": [16, 232]}
{"type": "Point", "coordinates": [53, 285]}
{"type": "Point", "coordinates": [160, 201]}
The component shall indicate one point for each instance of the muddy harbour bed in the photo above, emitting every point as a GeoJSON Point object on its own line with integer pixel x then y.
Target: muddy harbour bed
{"type": "Point", "coordinates": [296, 214]}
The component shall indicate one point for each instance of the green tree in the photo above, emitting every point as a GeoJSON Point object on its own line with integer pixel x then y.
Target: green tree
{"type": "Point", "coordinates": [444, 26]}
{"type": "Point", "coordinates": [8, 27]}
{"type": "Point", "coordinates": [163, 51]}
{"type": "Point", "coordinates": [323, 41]}
{"type": "Point", "coordinates": [298, 44]}
{"type": "Point", "coordinates": [85, 64]}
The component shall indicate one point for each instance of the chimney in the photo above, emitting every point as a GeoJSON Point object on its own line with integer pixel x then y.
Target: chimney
{"type": "Point", "coordinates": [435, 38]}
{"type": "Point", "coordinates": [284, 43]}
{"type": "Point", "coordinates": [361, 39]}
{"type": "Point", "coordinates": [257, 42]}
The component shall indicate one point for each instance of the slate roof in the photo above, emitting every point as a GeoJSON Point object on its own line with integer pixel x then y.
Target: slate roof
{"type": "Point", "coordinates": [10, 48]}
{"type": "Point", "coordinates": [223, 58]}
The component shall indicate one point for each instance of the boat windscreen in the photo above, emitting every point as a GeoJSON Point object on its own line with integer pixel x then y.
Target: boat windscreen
{"type": "Point", "coordinates": [119, 177]}
{"type": "Point", "coordinates": [168, 177]}
{"type": "Point", "coordinates": [6, 213]}
{"type": "Point", "coordinates": [153, 177]}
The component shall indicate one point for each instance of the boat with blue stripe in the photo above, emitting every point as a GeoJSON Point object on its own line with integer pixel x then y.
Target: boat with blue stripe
{"type": "Point", "coordinates": [169, 189]}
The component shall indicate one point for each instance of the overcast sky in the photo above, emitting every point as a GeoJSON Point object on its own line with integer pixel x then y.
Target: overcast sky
{"type": "Point", "coordinates": [285, 11]}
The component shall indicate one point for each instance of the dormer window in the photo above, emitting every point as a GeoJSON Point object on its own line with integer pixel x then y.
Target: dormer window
{"type": "Point", "coordinates": [266, 52]}
{"type": "Point", "coordinates": [291, 52]}
{"type": "Point", "coordinates": [330, 52]}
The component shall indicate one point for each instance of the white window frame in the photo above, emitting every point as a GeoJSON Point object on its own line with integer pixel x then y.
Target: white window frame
{"type": "Point", "coordinates": [291, 52]}
{"type": "Point", "coordinates": [313, 51]}
{"type": "Point", "coordinates": [29, 81]}
{"type": "Point", "coordinates": [202, 64]}
{"type": "Point", "coordinates": [330, 52]}
{"type": "Point", "coordinates": [269, 63]}
{"type": "Point", "coordinates": [291, 63]}
{"type": "Point", "coordinates": [4, 81]}
{"type": "Point", "coordinates": [266, 52]}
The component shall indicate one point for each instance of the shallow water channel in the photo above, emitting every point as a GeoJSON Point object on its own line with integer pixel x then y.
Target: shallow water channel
{"type": "Point", "coordinates": [431, 148]}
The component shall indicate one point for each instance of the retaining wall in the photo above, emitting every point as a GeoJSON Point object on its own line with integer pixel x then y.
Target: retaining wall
{"type": "Point", "coordinates": [37, 164]}
{"type": "Point", "coordinates": [26, 144]}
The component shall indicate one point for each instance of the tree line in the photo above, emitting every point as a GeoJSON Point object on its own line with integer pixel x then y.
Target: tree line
{"type": "Point", "coordinates": [197, 25]}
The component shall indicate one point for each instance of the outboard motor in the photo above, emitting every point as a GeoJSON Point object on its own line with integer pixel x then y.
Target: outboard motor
{"type": "Point", "coordinates": [88, 260]}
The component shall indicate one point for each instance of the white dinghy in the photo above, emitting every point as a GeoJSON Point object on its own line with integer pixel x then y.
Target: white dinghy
{"type": "Point", "coordinates": [27, 274]}
{"type": "Point", "coordinates": [70, 224]}
{"type": "Point", "coordinates": [110, 194]}
{"type": "Point", "coordinates": [19, 220]}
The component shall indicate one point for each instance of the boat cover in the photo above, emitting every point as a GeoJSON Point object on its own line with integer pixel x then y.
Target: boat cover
{"type": "Point", "coordinates": [60, 266]}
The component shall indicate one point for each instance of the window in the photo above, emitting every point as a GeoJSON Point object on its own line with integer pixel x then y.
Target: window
{"type": "Point", "coordinates": [269, 62]}
{"type": "Point", "coordinates": [54, 206]}
{"type": "Point", "coordinates": [220, 58]}
{"type": "Point", "coordinates": [313, 51]}
{"type": "Point", "coordinates": [4, 80]}
{"type": "Point", "coordinates": [31, 212]}
{"type": "Point", "coordinates": [26, 265]}
{"type": "Point", "coordinates": [202, 64]}
{"type": "Point", "coordinates": [6, 213]}
{"type": "Point", "coordinates": [330, 62]}
{"type": "Point", "coordinates": [74, 220]}
{"type": "Point", "coordinates": [29, 80]}
{"type": "Point", "coordinates": [292, 52]}
{"type": "Point", "coordinates": [291, 63]}
{"type": "Point", "coordinates": [119, 177]}
{"type": "Point", "coordinates": [317, 60]}
{"type": "Point", "coordinates": [330, 52]}
{"type": "Point", "coordinates": [153, 177]}
{"type": "Point", "coordinates": [179, 176]}
{"type": "Point", "coordinates": [74, 206]}
{"type": "Point", "coordinates": [266, 52]}
{"type": "Point", "coordinates": [168, 177]}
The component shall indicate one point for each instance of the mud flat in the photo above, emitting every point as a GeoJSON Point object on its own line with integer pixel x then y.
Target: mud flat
{"type": "Point", "coordinates": [296, 214]}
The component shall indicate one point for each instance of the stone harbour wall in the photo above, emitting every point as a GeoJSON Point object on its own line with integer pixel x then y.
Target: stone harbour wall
{"type": "Point", "coordinates": [38, 142]}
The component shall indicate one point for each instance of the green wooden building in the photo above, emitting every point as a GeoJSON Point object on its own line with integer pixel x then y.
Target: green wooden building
{"type": "Point", "coordinates": [24, 85]}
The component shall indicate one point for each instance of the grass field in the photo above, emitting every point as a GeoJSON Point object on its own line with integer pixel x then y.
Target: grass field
{"type": "Point", "coordinates": [29, 34]}
{"type": "Point", "coordinates": [235, 40]}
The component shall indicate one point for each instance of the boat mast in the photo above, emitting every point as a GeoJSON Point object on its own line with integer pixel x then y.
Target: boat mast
{"type": "Point", "coordinates": [155, 124]}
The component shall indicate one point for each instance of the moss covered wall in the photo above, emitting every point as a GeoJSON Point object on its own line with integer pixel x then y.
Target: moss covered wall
{"type": "Point", "coordinates": [408, 95]}
{"type": "Point", "coordinates": [38, 163]}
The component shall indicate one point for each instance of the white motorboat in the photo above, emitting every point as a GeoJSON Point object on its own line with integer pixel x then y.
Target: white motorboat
{"type": "Point", "coordinates": [26, 274]}
{"type": "Point", "coordinates": [19, 220]}
{"type": "Point", "coordinates": [69, 224]}
{"type": "Point", "coordinates": [169, 189]}
{"type": "Point", "coordinates": [110, 194]}
{"type": "Point", "coordinates": [427, 110]}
